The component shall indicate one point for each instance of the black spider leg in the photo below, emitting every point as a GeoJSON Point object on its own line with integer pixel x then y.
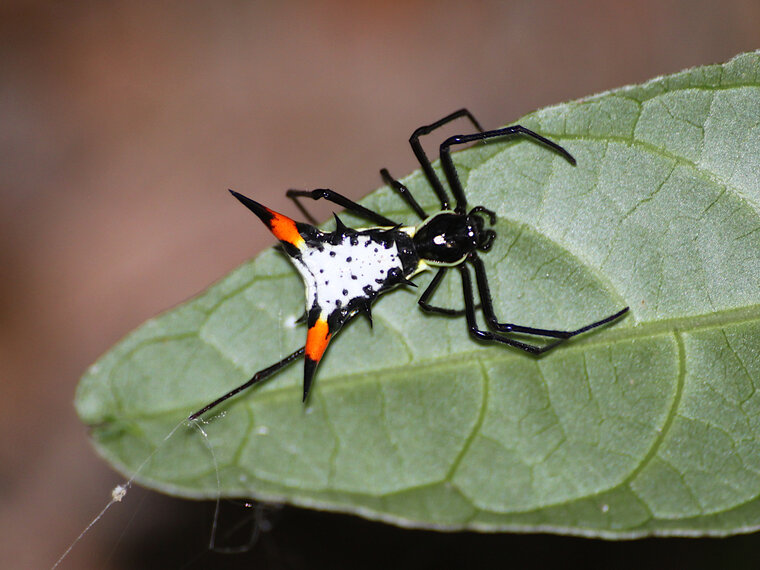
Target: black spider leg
{"type": "Point", "coordinates": [404, 192]}
{"type": "Point", "coordinates": [341, 200]}
{"type": "Point", "coordinates": [424, 161]}
{"type": "Point", "coordinates": [303, 209]}
{"type": "Point", "coordinates": [260, 376]}
{"type": "Point", "coordinates": [485, 335]}
{"type": "Point", "coordinates": [428, 292]}
{"type": "Point", "coordinates": [487, 303]}
{"type": "Point", "coordinates": [451, 172]}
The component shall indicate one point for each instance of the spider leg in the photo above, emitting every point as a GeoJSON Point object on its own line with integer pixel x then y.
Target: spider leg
{"type": "Point", "coordinates": [424, 161]}
{"type": "Point", "coordinates": [341, 200]}
{"type": "Point", "coordinates": [260, 376]}
{"type": "Point", "coordinates": [404, 191]}
{"type": "Point", "coordinates": [431, 288]}
{"type": "Point", "coordinates": [304, 210]}
{"type": "Point", "coordinates": [451, 172]}
{"type": "Point", "coordinates": [486, 335]}
{"type": "Point", "coordinates": [493, 323]}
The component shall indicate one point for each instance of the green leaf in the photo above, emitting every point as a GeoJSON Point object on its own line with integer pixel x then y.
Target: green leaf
{"type": "Point", "coordinates": [648, 426]}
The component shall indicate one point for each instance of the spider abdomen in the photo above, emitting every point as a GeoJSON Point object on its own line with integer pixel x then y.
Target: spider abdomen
{"type": "Point", "coordinates": [347, 269]}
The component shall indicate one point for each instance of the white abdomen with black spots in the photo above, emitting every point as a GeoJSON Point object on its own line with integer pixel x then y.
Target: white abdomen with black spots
{"type": "Point", "coordinates": [339, 273]}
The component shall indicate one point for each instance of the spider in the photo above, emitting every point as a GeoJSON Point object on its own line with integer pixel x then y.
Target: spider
{"type": "Point", "coordinates": [346, 270]}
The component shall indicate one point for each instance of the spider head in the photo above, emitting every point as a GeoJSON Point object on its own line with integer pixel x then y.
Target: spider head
{"type": "Point", "coordinates": [447, 238]}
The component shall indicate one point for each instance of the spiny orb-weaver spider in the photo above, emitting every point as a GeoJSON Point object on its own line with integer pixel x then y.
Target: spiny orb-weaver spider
{"type": "Point", "coordinates": [347, 269]}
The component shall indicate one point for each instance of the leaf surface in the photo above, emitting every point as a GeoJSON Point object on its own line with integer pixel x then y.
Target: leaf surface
{"type": "Point", "coordinates": [651, 426]}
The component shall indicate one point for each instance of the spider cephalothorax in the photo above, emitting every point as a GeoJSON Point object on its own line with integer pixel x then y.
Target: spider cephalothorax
{"type": "Point", "coordinates": [447, 238]}
{"type": "Point", "coordinates": [346, 270]}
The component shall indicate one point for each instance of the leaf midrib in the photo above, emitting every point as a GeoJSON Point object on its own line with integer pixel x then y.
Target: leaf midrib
{"type": "Point", "coordinates": [682, 325]}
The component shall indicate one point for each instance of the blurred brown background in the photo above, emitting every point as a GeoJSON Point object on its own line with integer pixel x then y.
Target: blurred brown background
{"type": "Point", "coordinates": [122, 125]}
